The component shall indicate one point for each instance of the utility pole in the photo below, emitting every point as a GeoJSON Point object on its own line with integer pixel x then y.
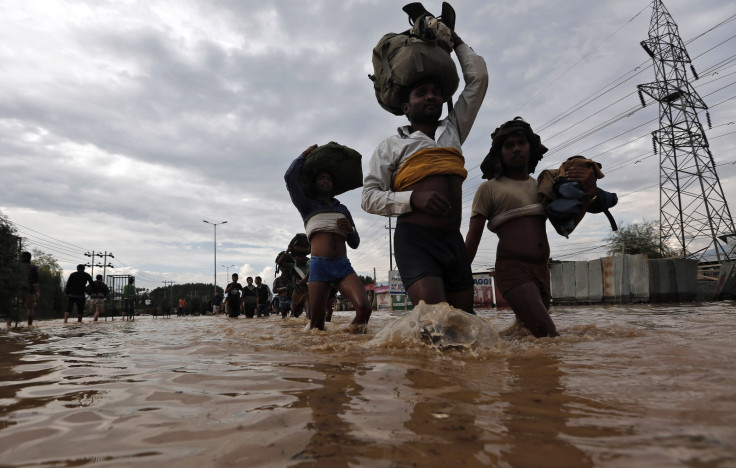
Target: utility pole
{"type": "Point", "coordinates": [227, 275]}
{"type": "Point", "coordinates": [693, 208]}
{"type": "Point", "coordinates": [106, 265]}
{"type": "Point", "coordinates": [215, 250]}
{"type": "Point", "coordinates": [390, 245]}
{"type": "Point", "coordinates": [171, 296]}
{"type": "Point", "coordinates": [103, 265]}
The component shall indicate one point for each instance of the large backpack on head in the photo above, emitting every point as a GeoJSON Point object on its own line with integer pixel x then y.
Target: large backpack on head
{"type": "Point", "coordinates": [342, 162]}
{"type": "Point", "coordinates": [422, 52]}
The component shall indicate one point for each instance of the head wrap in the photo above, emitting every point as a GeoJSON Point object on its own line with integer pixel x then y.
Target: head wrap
{"type": "Point", "coordinates": [491, 165]}
{"type": "Point", "coordinates": [283, 256]}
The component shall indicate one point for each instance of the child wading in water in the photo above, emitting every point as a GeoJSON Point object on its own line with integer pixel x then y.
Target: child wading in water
{"type": "Point", "coordinates": [329, 226]}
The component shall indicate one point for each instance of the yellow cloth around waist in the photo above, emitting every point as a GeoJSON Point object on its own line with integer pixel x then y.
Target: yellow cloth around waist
{"type": "Point", "coordinates": [427, 162]}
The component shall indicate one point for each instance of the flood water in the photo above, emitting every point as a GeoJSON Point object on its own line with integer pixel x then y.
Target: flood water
{"type": "Point", "coordinates": [630, 385]}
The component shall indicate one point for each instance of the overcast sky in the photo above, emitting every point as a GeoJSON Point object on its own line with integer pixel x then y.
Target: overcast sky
{"type": "Point", "coordinates": [125, 124]}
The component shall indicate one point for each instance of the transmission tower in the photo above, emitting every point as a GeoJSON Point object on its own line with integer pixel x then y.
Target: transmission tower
{"type": "Point", "coordinates": [693, 209]}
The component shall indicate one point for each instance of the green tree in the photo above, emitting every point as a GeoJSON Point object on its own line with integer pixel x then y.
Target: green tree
{"type": "Point", "coordinates": [196, 305]}
{"type": "Point", "coordinates": [366, 279]}
{"type": "Point", "coordinates": [638, 238]}
{"type": "Point", "coordinates": [50, 274]}
{"type": "Point", "coordinates": [169, 295]}
{"type": "Point", "coordinates": [45, 261]}
{"type": "Point", "coordinates": [10, 276]}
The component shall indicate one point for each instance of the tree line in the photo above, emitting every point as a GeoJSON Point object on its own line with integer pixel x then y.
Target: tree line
{"type": "Point", "coordinates": [635, 238]}
{"type": "Point", "coordinates": [52, 301]}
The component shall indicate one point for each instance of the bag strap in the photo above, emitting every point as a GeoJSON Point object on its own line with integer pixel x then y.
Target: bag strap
{"type": "Point", "coordinates": [299, 272]}
{"type": "Point", "coordinates": [418, 62]}
{"type": "Point", "coordinates": [614, 226]}
{"type": "Point", "coordinates": [385, 66]}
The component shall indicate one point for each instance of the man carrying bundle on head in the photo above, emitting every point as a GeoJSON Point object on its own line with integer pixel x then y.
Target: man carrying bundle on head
{"type": "Point", "coordinates": [418, 173]}
{"type": "Point", "coordinates": [282, 285]}
{"type": "Point", "coordinates": [299, 248]}
{"type": "Point", "coordinates": [313, 180]}
{"type": "Point", "coordinates": [509, 202]}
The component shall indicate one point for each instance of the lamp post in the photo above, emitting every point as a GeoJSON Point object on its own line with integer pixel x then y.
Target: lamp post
{"type": "Point", "coordinates": [227, 268]}
{"type": "Point", "coordinates": [215, 246]}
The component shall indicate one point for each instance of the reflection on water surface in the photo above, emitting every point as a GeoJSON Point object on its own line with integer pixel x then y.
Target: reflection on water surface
{"type": "Point", "coordinates": [624, 386]}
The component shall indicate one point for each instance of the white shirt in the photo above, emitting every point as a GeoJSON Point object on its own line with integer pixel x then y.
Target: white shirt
{"type": "Point", "coordinates": [391, 153]}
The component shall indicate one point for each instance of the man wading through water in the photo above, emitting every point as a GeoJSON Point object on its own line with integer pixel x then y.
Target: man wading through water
{"type": "Point", "coordinates": [329, 226]}
{"type": "Point", "coordinates": [508, 200]}
{"type": "Point", "coordinates": [418, 174]}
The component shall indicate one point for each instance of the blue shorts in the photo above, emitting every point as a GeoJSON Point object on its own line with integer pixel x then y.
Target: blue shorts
{"type": "Point", "coordinates": [329, 270]}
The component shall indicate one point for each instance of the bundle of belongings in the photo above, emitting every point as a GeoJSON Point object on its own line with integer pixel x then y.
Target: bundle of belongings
{"type": "Point", "coordinates": [564, 199]}
{"type": "Point", "coordinates": [416, 54]}
{"type": "Point", "coordinates": [342, 163]}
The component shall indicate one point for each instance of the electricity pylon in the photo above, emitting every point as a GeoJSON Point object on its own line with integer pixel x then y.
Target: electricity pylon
{"type": "Point", "coordinates": [693, 209]}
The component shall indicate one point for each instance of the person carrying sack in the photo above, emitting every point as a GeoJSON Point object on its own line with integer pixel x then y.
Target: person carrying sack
{"type": "Point", "coordinates": [417, 175]}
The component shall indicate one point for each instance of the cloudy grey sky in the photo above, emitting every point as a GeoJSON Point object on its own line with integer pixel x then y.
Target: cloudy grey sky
{"type": "Point", "coordinates": [124, 124]}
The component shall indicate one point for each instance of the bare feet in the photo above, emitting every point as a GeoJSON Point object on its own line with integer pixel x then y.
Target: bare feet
{"type": "Point", "coordinates": [357, 328]}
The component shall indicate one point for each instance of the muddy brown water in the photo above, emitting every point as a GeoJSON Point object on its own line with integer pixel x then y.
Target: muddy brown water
{"type": "Point", "coordinates": [631, 385]}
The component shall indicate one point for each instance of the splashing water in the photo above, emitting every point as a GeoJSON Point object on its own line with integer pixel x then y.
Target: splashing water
{"type": "Point", "coordinates": [440, 326]}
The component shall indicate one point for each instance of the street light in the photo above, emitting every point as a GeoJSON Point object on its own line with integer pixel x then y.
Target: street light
{"type": "Point", "coordinates": [227, 278]}
{"type": "Point", "coordinates": [215, 245]}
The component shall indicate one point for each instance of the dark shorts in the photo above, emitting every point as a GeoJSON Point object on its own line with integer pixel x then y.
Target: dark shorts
{"type": "Point", "coordinates": [29, 299]}
{"type": "Point", "coordinates": [233, 307]}
{"type": "Point", "coordinates": [424, 251]}
{"type": "Point", "coordinates": [249, 309]}
{"type": "Point", "coordinates": [284, 303]}
{"type": "Point", "coordinates": [79, 301]}
{"type": "Point", "coordinates": [329, 270]}
{"type": "Point", "coordinates": [512, 273]}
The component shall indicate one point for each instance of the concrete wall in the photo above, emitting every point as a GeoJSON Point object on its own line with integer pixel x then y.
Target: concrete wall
{"type": "Point", "coordinates": [726, 287]}
{"type": "Point", "coordinates": [595, 281]}
{"type": "Point", "coordinates": [673, 280]}
{"type": "Point", "coordinates": [624, 278]}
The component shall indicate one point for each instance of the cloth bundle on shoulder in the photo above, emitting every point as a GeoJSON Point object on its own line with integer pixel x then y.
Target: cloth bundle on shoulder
{"type": "Point", "coordinates": [342, 163]}
{"type": "Point", "coordinates": [421, 52]}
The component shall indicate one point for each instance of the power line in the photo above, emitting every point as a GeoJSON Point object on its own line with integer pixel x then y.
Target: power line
{"type": "Point", "coordinates": [586, 55]}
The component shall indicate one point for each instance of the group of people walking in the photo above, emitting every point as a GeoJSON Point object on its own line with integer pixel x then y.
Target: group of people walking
{"type": "Point", "coordinates": [253, 299]}
{"type": "Point", "coordinates": [417, 176]}
{"type": "Point", "coordinates": [289, 296]}
{"type": "Point", "coordinates": [80, 284]}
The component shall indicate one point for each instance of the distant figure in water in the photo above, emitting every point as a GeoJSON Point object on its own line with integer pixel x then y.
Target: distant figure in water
{"type": "Point", "coordinates": [329, 226]}
{"type": "Point", "coordinates": [508, 201]}
{"type": "Point", "coordinates": [98, 292]}
{"type": "Point", "coordinates": [31, 291]}
{"type": "Point", "coordinates": [129, 299]}
{"type": "Point", "coordinates": [233, 291]}
{"type": "Point", "coordinates": [75, 289]}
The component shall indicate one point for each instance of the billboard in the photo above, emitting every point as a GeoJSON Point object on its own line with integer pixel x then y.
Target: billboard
{"type": "Point", "coordinates": [483, 290]}
{"type": "Point", "coordinates": [395, 285]}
